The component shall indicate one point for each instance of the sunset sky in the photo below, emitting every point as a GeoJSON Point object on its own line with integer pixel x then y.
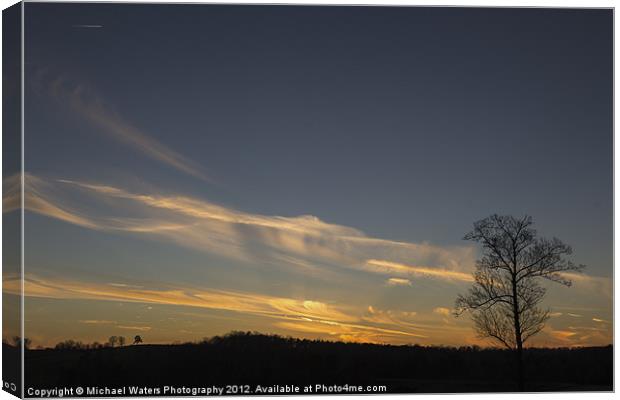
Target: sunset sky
{"type": "Point", "coordinates": [306, 171]}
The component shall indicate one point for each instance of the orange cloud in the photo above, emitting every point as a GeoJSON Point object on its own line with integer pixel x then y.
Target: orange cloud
{"type": "Point", "coordinates": [244, 302]}
{"type": "Point", "coordinates": [308, 316]}
{"type": "Point", "coordinates": [351, 332]}
{"type": "Point", "coordinates": [562, 335]}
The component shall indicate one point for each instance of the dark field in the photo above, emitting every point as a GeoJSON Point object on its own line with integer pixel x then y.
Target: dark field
{"type": "Point", "coordinates": [254, 359]}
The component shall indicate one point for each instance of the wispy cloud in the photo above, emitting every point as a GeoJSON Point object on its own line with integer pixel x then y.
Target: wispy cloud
{"type": "Point", "coordinates": [576, 336]}
{"type": "Point", "coordinates": [303, 243]}
{"type": "Point", "coordinates": [244, 302]}
{"type": "Point", "coordinates": [374, 326]}
{"type": "Point", "coordinates": [313, 317]}
{"type": "Point", "coordinates": [398, 282]}
{"type": "Point", "coordinates": [97, 322]}
{"type": "Point", "coordinates": [389, 267]}
{"type": "Point", "coordinates": [563, 335]}
{"type": "Point", "coordinates": [584, 282]}
{"type": "Point", "coordinates": [350, 332]}
{"type": "Point", "coordinates": [125, 285]}
{"type": "Point", "coordinates": [11, 193]}
{"type": "Point", "coordinates": [87, 103]}
{"type": "Point", "coordinates": [442, 311]}
{"type": "Point", "coordinates": [299, 315]}
{"type": "Point", "coordinates": [135, 328]}
{"type": "Point", "coordinates": [402, 319]}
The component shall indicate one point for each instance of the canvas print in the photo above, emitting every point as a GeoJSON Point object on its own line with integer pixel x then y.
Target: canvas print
{"type": "Point", "coordinates": [205, 199]}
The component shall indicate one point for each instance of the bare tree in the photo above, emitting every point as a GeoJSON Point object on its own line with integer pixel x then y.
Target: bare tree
{"type": "Point", "coordinates": [504, 299]}
{"type": "Point", "coordinates": [17, 341]}
{"type": "Point", "coordinates": [70, 344]}
{"type": "Point", "coordinates": [121, 341]}
{"type": "Point", "coordinates": [137, 339]}
{"type": "Point", "coordinates": [113, 340]}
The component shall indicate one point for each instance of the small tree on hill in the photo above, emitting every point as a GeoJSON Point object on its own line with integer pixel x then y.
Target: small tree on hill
{"type": "Point", "coordinates": [17, 340]}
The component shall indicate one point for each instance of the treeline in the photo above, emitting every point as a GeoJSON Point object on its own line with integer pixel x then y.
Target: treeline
{"type": "Point", "coordinates": [113, 341]}
{"type": "Point", "coordinates": [253, 359]}
{"type": "Point", "coordinates": [71, 344]}
{"type": "Point", "coordinates": [78, 345]}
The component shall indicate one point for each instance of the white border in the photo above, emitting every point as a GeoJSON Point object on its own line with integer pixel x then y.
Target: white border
{"type": "Point", "coordinates": [478, 3]}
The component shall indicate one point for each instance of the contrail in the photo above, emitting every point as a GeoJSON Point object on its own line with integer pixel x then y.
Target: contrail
{"type": "Point", "coordinates": [91, 106]}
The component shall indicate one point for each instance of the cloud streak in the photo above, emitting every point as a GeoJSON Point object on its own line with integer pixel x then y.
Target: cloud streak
{"type": "Point", "coordinates": [293, 314]}
{"type": "Point", "coordinates": [587, 283]}
{"type": "Point", "coordinates": [398, 282]}
{"type": "Point", "coordinates": [135, 328]}
{"type": "Point", "coordinates": [84, 101]}
{"type": "Point", "coordinates": [306, 317]}
{"type": "Point", "coordinates": [244, 302]}
{"type": "Point", "coordinates": [389, 267]}
{"type": "Point", "coordinates": [96, 322]}
{"type": "Point", "coordinates": [442, 311]}
{"type": "Point", "coordinates": [304, 243]}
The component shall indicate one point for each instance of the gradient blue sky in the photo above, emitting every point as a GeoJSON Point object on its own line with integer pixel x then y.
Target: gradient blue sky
{"type": "Point", "coordinates": [403, 125]}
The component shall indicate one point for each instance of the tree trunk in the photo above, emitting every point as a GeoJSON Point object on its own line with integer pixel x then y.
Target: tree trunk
{"type": "Point", "coordinates": [520, 377]}
{"type": "Point", "coordinates": [518, 338]}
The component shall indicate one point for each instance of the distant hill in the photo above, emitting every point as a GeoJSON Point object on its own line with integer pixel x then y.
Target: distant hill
{"type": "Point", "coordinates": [265, 360]}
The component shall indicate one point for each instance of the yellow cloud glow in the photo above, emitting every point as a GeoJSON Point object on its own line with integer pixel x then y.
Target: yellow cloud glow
{"type": "Point", "coordinates": [301, 242]}
{"type": "Point", "coordinates": [442, 311]}
{"type": "Point", "coordinates": [294, 314]}
{"type": "Point", "coordinates": [388, 267]}
{"type": "Point", "coordinates": [214, 299]}
{"type": "Point", "coordinates": [97, 322]}
{"type": "Point", "coordinates": [562, 334]}
{"type": "Point", "coordinates": [398, 282]}
{"type": "Point", "coordinates": [135, 328]}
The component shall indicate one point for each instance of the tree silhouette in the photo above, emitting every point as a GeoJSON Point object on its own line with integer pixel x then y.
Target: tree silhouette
{"type": "Point", "coordinates": [112, 340]}
{"type": "Point", "coordinates": [121, 341]}
{"type": "Point", "coordinates": [137, 339]}
{"type": "Point", "coordinates": [504, 298]}
{"type": "Point", "coordinates": [70, 344]}
{"type": "Point", "coordinates": [255, 358]}
{"type": "Point", "coordinates": [17, 340]}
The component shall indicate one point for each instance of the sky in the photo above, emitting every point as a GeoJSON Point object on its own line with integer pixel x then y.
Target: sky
{"type": "Point", "coordinates": [306, 171]}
